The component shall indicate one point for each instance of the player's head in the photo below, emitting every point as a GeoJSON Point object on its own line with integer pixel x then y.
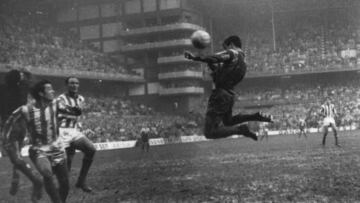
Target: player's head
{"type": "Point", "coordinates": [327, 100]}
{"type": "Point", "coordinates": [232, 41]}
{"type": "Point", "coordinates": [25, 74]}
{"type": "Point", "coordinates": [12, 78]}
{"type": "Point", "coordinates": [43, 90]}
{"type": "Point", "coordinates": [72, 84]}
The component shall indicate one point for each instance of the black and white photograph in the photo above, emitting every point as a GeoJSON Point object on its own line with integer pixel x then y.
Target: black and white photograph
{"type": "Point", "coordinates": [169, 101]}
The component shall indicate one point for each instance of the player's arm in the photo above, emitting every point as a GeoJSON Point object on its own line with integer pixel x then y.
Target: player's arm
{"type": "Point", "coordinates": [9, 138]}
{"type": "Point", "coordinates": [220, 57]}
{"type": "Point", "coordinates": [67, 109]}
{"type": "Point", "coordinates": [322, 111]}
{"type": "Point", "coordinates": [335, 112]}
{"type": "Point", "coordinates": [81, 105]}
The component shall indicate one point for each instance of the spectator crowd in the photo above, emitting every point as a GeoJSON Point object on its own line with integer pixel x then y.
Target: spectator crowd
{"type": "Point", "coordinates": [28, 38]}
{"type": "Point", "coordinates": [303, 43]}
{"type": "Point", "coordinates": [289, 105]}
{"type": "Point", "coordinates": [115, 118]}
{"type": "Point", "coordinates": [299, 42]}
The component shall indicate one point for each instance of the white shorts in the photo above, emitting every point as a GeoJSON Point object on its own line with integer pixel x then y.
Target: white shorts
{"type": "Point", "coordinates": [328, 120]}
{"type": "Point", "coordinates": [69, 135]}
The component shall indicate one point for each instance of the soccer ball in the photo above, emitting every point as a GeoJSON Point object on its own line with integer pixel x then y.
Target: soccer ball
{"type": "Point", "coordinates": [200, 39]}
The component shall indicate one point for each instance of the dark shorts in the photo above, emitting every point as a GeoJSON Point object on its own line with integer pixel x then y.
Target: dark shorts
{"type": "Point", "coordinates": [220, 102]}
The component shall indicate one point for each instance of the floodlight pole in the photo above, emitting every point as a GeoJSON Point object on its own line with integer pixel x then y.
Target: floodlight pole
{"type": "Point", "coordinates": [212, 34]}
{"type": "Point", "coordinates": [273, 25]}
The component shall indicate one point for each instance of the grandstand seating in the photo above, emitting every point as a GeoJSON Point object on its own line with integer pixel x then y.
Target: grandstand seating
{"type": "Point", "coordinates": [304, 102]}
{"type": "Point", "coordinates": [30, 39]}
{"type": "Point", "coordinates": [303, 44]}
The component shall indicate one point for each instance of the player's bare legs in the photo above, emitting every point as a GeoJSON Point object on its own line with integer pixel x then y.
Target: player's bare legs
{"type": "Point", "coordinates": [15, 180]}
{"type": "Point", "coordinates": [302, 132]}
{"type": "Point", "coordinates": [13, 150]}
{"type": "Point", "coordinates": [334, 129]}
{"type": "Point", "coordinates": [329, 113]}
{"type": "Point", "coordinates": [86, 146]}
{"type": "Point", "coordinates": [145, 147]}
{"type": "Point", "coordinates": [21, 165]}
{"type": "Point", "coordinates": [61, 173]}
{"type": "Point", "coordinates": [264, 135]}
{"type": "Point", "coordinates": [324, 135]}
{"type": "Point", "coordinates": [70, 153]}
{"type": "Point", "coordinates": [44, 167]}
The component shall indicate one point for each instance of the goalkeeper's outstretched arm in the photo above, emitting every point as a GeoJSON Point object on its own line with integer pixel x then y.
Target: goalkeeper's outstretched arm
{"type": "Point", "coordinates": [220, 57]}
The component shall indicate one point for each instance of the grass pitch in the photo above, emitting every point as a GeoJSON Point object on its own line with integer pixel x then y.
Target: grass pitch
{"type": "Point", "coordinates": [284, 169]}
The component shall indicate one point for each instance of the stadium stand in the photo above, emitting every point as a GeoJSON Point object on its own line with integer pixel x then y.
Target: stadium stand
{"type": "Point", "coordinates": [30, 39]}
{"type": "Point", "coordinates": [116, 118]}
{"type": "Point", "coordinates": [304, 44]}
{"type": "Point", "coordinates": [304, 102]}
{"type": "Point", "coordinates": [288, 105]}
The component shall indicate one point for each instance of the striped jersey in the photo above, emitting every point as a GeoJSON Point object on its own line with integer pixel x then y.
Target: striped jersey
{"type": "Point", "coordinates": [67, 120]}
{"type": "Point", "coordinates": [41, 123]}
{"type": "Point", "coordinates": [302, 123]}
{"type": "Point", "coordinates": [328, 110]}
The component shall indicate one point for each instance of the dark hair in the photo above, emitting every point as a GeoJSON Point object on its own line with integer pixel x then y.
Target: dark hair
{"type": "Point", "coordinates": [27, 74]}
{"type": "Point", "coordinates": [37, 88]}
{"type": "Point", "coordinates": [68, 78]}
{"type": "Point", "coordinates": [234, 40]}
{"type": "Point", "coordinates": [12, 78]}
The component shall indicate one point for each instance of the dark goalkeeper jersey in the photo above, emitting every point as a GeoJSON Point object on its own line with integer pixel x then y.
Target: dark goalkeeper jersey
{"type": "Point", "coordinates": [230, 70]}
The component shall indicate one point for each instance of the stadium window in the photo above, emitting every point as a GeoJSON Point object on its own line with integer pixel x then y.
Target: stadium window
{"type": "Point", "coordinates": [149, 5]}
{"type": "Point", "coordinates": [89, 12]}
{"type": "Point", "coordinates": [169, 4]}
{"type": "Point", "coordinates": [89, 32]}
{"type": "Point", "coordinates": [132, 6]}
{"type": "Point", "coordinates": [66, 15]}
{"type": "Point", "coordinates": [110, 9]}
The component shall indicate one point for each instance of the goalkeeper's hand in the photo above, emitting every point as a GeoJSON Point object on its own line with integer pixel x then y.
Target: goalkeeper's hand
{"type": "Point", "coordinates": [189, 55]}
